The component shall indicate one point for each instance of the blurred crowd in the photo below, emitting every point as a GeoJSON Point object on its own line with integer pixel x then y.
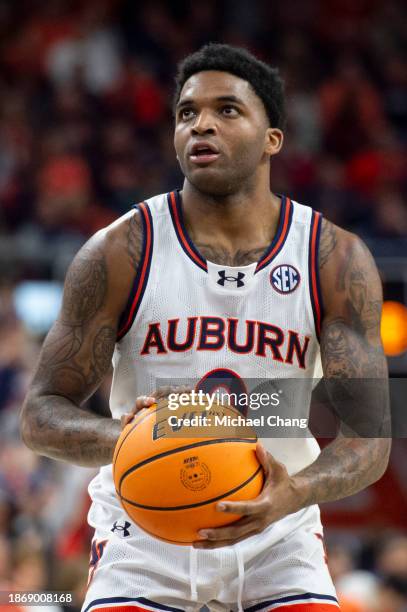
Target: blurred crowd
{"type": "Point", "coordinates": [371, 578]}
{"type": "Point", "coordinates": [86, 123]}
{"type": "Point", "coordinates": [86, 131]}
{"type": "Point", "coordinates": [44, 538]}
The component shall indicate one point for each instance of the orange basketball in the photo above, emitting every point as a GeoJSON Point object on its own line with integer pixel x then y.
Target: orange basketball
{"type": "Point", "coordinates": [169, 477]}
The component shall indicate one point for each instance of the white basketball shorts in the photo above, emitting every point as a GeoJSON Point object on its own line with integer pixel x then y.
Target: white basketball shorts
{"type": "Point", "coordinates": [283, 568]}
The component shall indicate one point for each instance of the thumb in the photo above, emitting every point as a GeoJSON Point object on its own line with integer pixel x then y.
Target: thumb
{"type": "Point", "coordinates": [263, 457]}
{"type": "Point", "coordinates": [273, 469]}
{"type": "Point", "coordinates": [125, 419]}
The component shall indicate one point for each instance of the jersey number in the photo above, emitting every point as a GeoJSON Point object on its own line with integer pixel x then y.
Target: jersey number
{"type": "Point", "coordinates": [224, 382]}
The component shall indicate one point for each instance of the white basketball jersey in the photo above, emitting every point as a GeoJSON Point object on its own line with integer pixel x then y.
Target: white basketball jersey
{"type": "Point", "coordinates": [191, 320]}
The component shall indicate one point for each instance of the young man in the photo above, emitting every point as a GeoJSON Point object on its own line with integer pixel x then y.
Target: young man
{"type": "Point", "coordinates": [221, 276]}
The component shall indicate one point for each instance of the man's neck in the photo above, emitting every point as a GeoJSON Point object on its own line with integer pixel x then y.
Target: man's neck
{"type": "Point", "coordinates": [233, 230]}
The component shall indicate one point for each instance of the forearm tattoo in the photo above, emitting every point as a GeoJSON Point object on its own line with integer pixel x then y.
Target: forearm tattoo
{"type": "Point", "coordinates": [355, 374]}
{"type": "Point", "coordinates": [75, 357]}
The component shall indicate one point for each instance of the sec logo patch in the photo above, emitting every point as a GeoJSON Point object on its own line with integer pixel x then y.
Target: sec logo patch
{"type": "Point", "coordinates": [285, 278]}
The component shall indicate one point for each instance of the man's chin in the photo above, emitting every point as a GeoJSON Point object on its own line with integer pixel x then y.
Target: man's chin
{"type": "Point", "coordinates": [206, 181]}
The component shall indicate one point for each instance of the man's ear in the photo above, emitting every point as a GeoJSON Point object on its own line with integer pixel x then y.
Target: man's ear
{"type": "Point", "coordinates": [274, 141]}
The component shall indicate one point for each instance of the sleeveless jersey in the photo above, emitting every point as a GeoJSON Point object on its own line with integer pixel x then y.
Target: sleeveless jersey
{"type": "Point", "coordinates": [189, 319]}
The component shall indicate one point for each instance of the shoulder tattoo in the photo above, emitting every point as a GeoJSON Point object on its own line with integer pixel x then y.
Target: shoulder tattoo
{"type": "Point", "coordinates": [134, 239]}
{"type": "Point", "coordinates": [85, 287]}
{"type": "Point", "coordinates": [327, 242]}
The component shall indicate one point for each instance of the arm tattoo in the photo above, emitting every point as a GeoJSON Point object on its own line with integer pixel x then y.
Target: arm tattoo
{"type": "Point", "coordinates": [355, 374]}
{"type": "Point", "coordinates": [343, 468]}
{"type": "Point", "coordinates": [134, 240]}
{"type": "Point", "coordinates": [327, 243]}
{"type": "Point", "coordinates": [364, 304]}
{"type": "Point", "coordinates": [102, 353]}
{"type": "Point", "coordinates": [75, 351]}
{"type": "Point", "coordinates": [69, 433]}
{"type": "Point", "coordinates": [75, 357]}
{"type": "Point", "coordinates": [85, 288]}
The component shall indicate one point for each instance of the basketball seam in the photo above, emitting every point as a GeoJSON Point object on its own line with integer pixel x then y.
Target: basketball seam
{"type": "Point", "coordinates": [144, 416]}
{"type": "Point", "coordinates": [196, 505]}
{"type": "Point", "coordinates": [156, 409]}
{"type": "Point", "coordinates": [179, 450]}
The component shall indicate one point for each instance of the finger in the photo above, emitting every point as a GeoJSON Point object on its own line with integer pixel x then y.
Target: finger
{"type": "Point", "coordinates": [183, 389]}
{"type": "Point", "coordinates": [273, 469]}
{"type": "Point", "coordinates": [208, 544]}
{"type": "Point", "coordinates": [230, 532]}
{"type": "Point", "coordinates": [211, 545]}
{"type": "Point", "coordinates": [125, 419]}
{"type": "Point", "coordinates": [164, 392]}
{"type": "Point", "coordinates": [263, 457]}
{"type": "Point", "coordinates": [247, 508]}
{"type": "Point", "coordinates": [143, 401]}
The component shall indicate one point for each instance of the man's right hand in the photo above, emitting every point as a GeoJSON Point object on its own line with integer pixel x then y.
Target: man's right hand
{"type": "Point", "coordinates": [143, 401]}
{"type": "Point", "coordinates": [146, 401]}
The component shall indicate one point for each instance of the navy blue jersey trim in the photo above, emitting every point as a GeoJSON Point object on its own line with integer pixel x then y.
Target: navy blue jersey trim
{"type": "Point", "coordinates": [143, 271]}
{"type": "Point", "coordinates": [317, 274]}
{"type": "Point", "coordinates": [313, 270]}
{"type": "Point", "coordinates": [290, 599]}
{"type": "Point", "coordinates": [174, 204]}
{"type": "Point", "coordinates": [136, 600]}
{"type": "Point", "coordinates": [283, 229]}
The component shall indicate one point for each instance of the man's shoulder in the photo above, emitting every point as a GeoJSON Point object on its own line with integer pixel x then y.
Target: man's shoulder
{"type": "Point", "coordinates": [123, 238]}
{"type": "Point", "coordinates": [133, 218]}
{"type": "Point", "coordinates": [120, 242]}
{"type": "Point", "coordinates": [112, 235]}
{"type": "Point", "coordinates": [347, 270]}
{"type": "Point", "coordinates": [337, 244]}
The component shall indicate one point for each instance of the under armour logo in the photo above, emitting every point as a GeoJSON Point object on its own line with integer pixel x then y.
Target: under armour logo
{"type": "Point", "coordinates": [124, 528]}
{"type": "Point", "coordinates": [231, 279]}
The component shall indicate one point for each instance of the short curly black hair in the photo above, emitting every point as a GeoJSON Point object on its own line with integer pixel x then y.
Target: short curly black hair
{"type": "Point", "coordinates": [265, 80]}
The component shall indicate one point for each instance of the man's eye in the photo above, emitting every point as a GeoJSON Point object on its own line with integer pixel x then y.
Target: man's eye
{"type": "Point", "coordinates": [230, 111]}
{"type": "Point", "coordinates": [186, 113]}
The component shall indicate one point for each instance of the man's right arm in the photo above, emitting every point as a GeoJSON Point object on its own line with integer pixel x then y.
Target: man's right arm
{"type": "Point", "coordinates": [77, 352]}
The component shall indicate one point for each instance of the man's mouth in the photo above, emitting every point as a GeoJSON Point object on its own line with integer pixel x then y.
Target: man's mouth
{"type": "Point", "coordinates": [203, 153]}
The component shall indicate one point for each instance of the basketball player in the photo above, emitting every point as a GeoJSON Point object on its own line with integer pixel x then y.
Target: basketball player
{"type": "Point", "coordinates": [223, 275]}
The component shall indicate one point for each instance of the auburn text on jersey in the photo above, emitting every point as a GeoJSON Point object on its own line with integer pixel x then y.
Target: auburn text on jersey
{"type": "Point", "coordinates": [214, 333]}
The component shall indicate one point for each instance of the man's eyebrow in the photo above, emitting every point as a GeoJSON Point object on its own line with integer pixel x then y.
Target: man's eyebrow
{"type": "Point", "coordinates": [230, 98]}
{"type": "Point", "coordinates": [227, 98]}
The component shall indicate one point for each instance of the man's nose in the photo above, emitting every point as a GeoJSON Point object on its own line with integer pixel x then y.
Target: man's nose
{"type": "Point", "coordinates": [204, 124]}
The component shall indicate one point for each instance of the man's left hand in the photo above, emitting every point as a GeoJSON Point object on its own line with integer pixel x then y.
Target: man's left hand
{"type": "Point", "coordinates": [277, 499]}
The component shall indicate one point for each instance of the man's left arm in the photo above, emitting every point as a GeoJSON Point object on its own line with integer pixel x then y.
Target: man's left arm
{"type": "Point", "coordinates": [355, 372]}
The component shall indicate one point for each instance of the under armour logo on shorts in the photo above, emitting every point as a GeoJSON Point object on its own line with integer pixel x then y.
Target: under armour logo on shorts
{"type": "Point", "coordinates": [124, 528]}
{"type": "Point", "coordinates": [231, 279]}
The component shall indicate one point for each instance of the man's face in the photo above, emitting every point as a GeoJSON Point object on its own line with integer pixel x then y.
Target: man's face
{"type": "Point", "coordinates": [221, 132]}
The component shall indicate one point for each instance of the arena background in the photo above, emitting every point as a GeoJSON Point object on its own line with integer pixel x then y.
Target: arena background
{"type": "Point", "coordinates": [86, 131]}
